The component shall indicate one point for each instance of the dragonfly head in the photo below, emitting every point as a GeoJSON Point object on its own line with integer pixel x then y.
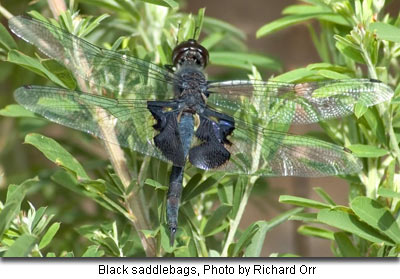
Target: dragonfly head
{"type": "Point", "coordinates": [190, 52]}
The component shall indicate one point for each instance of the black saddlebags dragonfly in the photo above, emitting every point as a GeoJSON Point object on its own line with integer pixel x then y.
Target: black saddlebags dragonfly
{"type": "Point", "coordinates": [176, 115]}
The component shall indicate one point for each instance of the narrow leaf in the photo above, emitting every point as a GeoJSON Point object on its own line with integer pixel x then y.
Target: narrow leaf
{"type": "Point", "coordinates": [387, 193]}
{"type": "Point", "coordinates": [315, 232]}
{"type": "Point", "coordinates": [216, 220]}
{"type": "Point", "coordinates": [93, 252]}
{"type": "Point", "coordinates": [377, 216]}
{"type": "Point", "coordinates": [56, 153]}
{"type": "Point", "coordinates": [155, 184]}
{"type": "Point", "coordinates": [303, 202]}
{"type": "Point", "coordinates": [385, 31]}
{"type": "Point", "coordinates": [246, 238]}
{"type": "Point", "coordinates": [22, 246]}
{"type": "Point", "coordinates": [324, 195]}
{"type": "Point", "coordinates": [367, 151]}
{"type": "Point", "coordinates": [345, 245]}
{"type": "Point", "coordinates": [293, 19]}
{"type": "Point", "coordinates": [209, 182]}
{"type": "Point", "coordinates": [295, 75]}
{"type": "Point", "coordinates": [257, 242]}
{"type": "Point", "coordinates": [6, 39]}
{"type": "Point", "coordinates": [350, 223]}
{"type": "Point", "coordinates": [15, 196]}
{"type": "Point", "coordinates": [32, 64]}
{"type": "Point", "coordinates": [48, 236]}
{"type": "Point", "coordinates": [244, 60]}
{"type": "Point", "coordinates": [15, 110]}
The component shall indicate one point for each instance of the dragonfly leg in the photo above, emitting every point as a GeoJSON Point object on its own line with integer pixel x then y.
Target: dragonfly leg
{"type": "Point", "coordinates": [173, 200]}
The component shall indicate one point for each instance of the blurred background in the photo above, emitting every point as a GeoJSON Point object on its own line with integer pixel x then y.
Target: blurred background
{"type": "Point", "coordinates": [291, 46]}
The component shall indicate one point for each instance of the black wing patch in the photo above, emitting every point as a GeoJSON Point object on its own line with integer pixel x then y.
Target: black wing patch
{"type": "Point", "coordinates": [211, 152]}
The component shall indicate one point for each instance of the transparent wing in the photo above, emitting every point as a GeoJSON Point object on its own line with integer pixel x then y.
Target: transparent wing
{"type": "Point", "coordinates": [259, 151]}
{"type": "Point", "coordinates": [124, 122]}
{"type": "Point", "coordinates": [299, 103]}
{"type": "Point", "coordinates": [113, 73]}
{"type": "Point", "coordinates": [254, 150]}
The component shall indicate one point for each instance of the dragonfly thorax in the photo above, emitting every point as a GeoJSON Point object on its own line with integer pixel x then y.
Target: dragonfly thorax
{"type": "Point", "coordinates": [190, 85]}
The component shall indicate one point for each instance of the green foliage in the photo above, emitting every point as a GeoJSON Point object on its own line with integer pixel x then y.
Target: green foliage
{"type": "Point", "coordinates": [352, 36]}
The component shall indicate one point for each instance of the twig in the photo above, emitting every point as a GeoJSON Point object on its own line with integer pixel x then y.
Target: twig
{"type": "Point", "coordinates": [135, 208]}
{"type": "Point", "coordinates": [57, 7]}
{"type": "Point", "coordinates": [5, 13]}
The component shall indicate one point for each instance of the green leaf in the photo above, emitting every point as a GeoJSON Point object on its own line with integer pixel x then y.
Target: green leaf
{"type": "Point", "coordinates": [93, 252]}
{"type": "Point", "coordinates": [374, 121]}
{"type": "Point", "coordinates": [348, 222]}
{"type": "Point", "coordinates": [257, 241]}
{"type": "Point", "coordinates": [61, 72]}
{"type": "Point", "coordinates": [350, 52]}
{"type": "Point", "coordinates": [6, 40]}
{"type": "Point", "coordinates": [56, 153]}
{"type": "Point", "coordinates": [165, 3]}
{"type": "Point", "coordinates": [387, 193]}
{"type": "Point", "coordinates": [395, 101]}
{"type": "Point", "coordinates": [246, 237]}
{"type": "Point", "coordinates": [216, 221]}
{"type": "Point", "coordinates": [48, 236]}
{"type": "Point", "coordinates": [15, 196]}
{"type": "Point", "coordinates": [243, 60]}
{"type": "Point", "coordinates": [332, 74]}
{"type": "Point", "coordinates": [345, 246]}
{"type": "Point", "coordinates": [38, 215]}
{"type": "Point", "coordinates": [7, 214]}
{"type": "Point", "coordinates": [224, 26]}
{"type": "Point", "coordinates": [367, 151]}
{"type": "Point", "coordinates": [293, 19]}
{"type": "Point", "coordinates": [282, 23]}
{"type": "Point", "coordinates": [155, 184]}
{"type": "Point", "coordinates": [32, 64]}
{"type": "Point", "coordinates": [202, 187]}
{"type": "Point", "coordinates": [165, 241]}
{"type": "Point", "coordinates": [22, 246]}
{"type": "Point", "coordinates": [295, 75]}
{"type": "Point", "coordinates": [377, 216]}
{"type": "Point", "coordinates": [315, 232]}
{"type": "Point", "coordinates": [303, 202]}
{"type": "Point", "coordinates": [15, 110]}
{"type": "Point", "coordinates": [199, 22]}
{"type": "Point", "coordinates": [305, 9]}
{"type": "Point", "coordinates": [212, 39]}
{"type": "Point", "coordinates": [304, 217]}
{"type": "Point", "coordinates": [360, 110]}
{"type": "Point", "coordinates": [97, 186]}
{"type": "Point", "coordinates": [324, 195]}
{"type": "Point", "coordinates": [385, 31]}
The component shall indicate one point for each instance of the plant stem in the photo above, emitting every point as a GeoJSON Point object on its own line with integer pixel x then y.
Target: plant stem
{"type": "Point", "coordinates": [5, 12]}
{"type": "Point", "coordinates": [384, 110]}
{"type": "Point", "coordinates": [57, 7]}
{"type": "Point", "coordinates": [134, 207]}
{"type": "Point", "coordinates": [234, 224]}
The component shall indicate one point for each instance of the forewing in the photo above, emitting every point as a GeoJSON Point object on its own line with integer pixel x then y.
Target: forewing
{"type": "Point", "coordinates": [109, 72]}
{"type": "Point", "coordinates": [124, 122]}
{"type": "Point", "coordinates": [258, 151]}
{"type": "Point", "coordinates": [300, 103]}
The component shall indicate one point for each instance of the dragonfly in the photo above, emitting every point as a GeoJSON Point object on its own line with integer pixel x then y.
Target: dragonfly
{"type": "Point", "coordinates": [177, 115]}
